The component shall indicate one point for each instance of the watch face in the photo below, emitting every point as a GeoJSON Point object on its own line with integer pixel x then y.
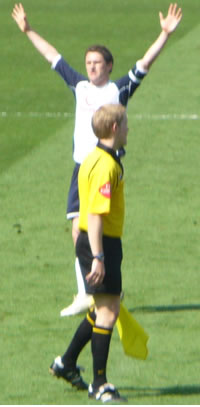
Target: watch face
{"type": "Point", "coordinates": [100, 257]}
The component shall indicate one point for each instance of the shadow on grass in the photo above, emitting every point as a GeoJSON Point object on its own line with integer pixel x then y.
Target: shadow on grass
{"type": "Point", "coordinates": [166, 308]}
{"type": "Point", "coordinates": [186, 390]}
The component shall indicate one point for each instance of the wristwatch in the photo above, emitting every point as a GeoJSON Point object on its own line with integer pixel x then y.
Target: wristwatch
{"type": "Point", "coordinates": [99, 257]}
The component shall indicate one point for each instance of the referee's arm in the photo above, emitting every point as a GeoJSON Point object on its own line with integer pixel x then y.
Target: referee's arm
{"type": "Point", "coordinates": [95, 233]}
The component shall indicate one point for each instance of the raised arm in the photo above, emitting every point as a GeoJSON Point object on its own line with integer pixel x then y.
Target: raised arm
{"type": "Point", "coordinates": [168, 26]}
{"type": "Point", "coordinates": [43, 47]}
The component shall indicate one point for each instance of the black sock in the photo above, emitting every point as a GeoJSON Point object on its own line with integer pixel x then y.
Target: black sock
{"type": "Point", "coordinates": [100, 348]}
{"type": "Point", "coordinates": [80, 339]}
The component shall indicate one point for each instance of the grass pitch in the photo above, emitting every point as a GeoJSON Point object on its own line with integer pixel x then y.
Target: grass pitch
{"type": "Point", "coordinates": [162, 230]}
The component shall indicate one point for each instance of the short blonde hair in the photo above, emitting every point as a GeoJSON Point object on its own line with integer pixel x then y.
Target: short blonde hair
{"type": "Point", "coordinates": [104, 118]}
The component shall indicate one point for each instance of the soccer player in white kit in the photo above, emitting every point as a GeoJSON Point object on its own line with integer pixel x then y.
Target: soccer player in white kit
{"type": "Point", "coordinates": [90, 93]}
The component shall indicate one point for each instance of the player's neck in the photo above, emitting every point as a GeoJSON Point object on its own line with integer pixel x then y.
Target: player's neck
{"type": "Point", "coordinates": [100, 82]}
{"type": "Point", "coordinates": [109, 142]}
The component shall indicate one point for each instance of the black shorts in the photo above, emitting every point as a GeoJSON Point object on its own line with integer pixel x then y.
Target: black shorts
{"type": "Point", "coordinates": [112, 247]}
{"type": "Point", "coordinates": [73, 198]}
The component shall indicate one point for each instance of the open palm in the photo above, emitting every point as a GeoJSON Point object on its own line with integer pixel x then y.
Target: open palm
{"type": "Point", "coordinates": [19, 16]}
{"type": "Point", "coordinates": [172, 20]}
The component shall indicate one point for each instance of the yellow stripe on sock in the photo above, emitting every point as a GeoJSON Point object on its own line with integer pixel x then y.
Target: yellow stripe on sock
{"type": "Point", "coordinates": [101, 331]}
{"type": "Point", "coordinates": [90, 320]}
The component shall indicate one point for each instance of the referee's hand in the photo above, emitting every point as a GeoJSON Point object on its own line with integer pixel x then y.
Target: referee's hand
{"type": "Point", "coordinates": [97, 273]}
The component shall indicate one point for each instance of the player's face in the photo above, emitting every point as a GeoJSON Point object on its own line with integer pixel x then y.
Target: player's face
{"type": "Point", "coordinates": [97, 69]}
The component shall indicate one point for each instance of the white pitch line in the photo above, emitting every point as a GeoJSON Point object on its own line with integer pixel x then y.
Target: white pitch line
{"type": "Point", "coordinates": [174, 116]}
{"type": "Point", "coordinates": [63, 115]}
{"type": "Point", "coordinates": [50, 115]}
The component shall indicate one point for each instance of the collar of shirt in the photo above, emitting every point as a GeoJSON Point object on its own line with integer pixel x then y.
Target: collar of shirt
{"type": "Point", "coordinates": [112, 153]}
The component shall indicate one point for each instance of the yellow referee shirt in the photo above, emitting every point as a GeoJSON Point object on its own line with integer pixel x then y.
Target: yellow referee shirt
{"type": "Point", "coordinates": [101, 184]}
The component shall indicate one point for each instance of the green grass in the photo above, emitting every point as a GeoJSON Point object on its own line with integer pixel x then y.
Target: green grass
{"type": "Point", "coordinates": [162, 229]}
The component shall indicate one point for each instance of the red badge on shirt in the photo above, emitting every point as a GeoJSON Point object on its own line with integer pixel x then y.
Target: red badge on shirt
{"type": "Point", "coordinates": [105, 190]}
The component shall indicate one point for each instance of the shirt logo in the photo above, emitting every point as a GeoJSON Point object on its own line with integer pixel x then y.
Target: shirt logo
{"type": "Point", "coordinates": [105, 190]}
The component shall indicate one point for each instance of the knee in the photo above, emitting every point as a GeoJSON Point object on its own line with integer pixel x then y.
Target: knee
{"type": "Point", "coordinates": [115, 313]}
{"type": "Point", "coordinates": [107, 316]}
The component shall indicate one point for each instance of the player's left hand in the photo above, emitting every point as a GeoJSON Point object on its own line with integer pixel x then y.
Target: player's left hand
{"type": "Point", "coordinates": [19, 16]}
{"type": "Point", "coordinates": [170, 23]}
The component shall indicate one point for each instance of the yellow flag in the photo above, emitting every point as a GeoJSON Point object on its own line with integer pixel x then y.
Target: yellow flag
{"type": "Point", "coordinates": [132, 335]}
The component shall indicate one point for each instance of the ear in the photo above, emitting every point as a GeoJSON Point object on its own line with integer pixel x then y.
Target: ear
{"type": "Point", "coordinates": [115, 127]}
{"type": "Point", "coordinates": [110, 67]}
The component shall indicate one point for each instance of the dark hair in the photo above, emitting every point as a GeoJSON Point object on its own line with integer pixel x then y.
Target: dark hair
{"type": "Point", "coordinates": [103, 51]}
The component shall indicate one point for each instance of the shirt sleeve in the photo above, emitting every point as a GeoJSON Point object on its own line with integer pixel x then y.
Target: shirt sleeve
{"type": "Point", "coordinates": [68, 74]}
{"type": "Point", "coordinates": [101, 188]}
{"type": "Point", "coordinates": [128, 84]}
